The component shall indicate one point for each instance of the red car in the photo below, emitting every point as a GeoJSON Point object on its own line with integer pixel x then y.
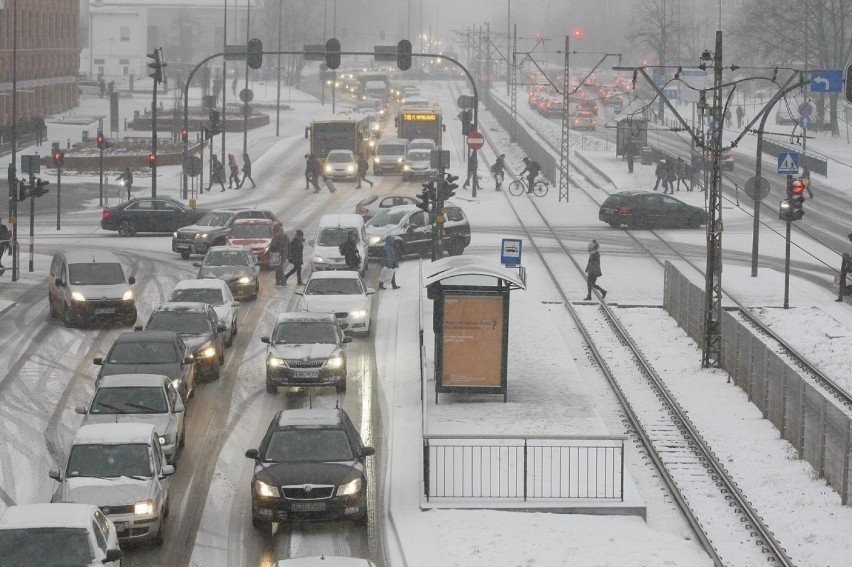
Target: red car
{"type": "Point", "coordinates": [256, 235]}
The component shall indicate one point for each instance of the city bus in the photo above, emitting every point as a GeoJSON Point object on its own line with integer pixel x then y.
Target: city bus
{"type": "Point", "coordinates": [350, 133]}
{"type": "Point", "coordinates": [420, 122]}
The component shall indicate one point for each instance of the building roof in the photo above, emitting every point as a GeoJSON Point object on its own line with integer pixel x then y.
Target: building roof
{"type": "Point", "coordinates": [47, 515]}
{"type": "Point", "coordinates": [114, 433]}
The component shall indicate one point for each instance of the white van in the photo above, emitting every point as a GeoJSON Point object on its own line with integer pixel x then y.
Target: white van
{"type": "Point", "coordinates": [332, 231]}
{"type": "Point", "coordinates": [390, 155]}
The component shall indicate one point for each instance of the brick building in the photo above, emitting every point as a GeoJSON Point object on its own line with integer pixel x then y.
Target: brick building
{"type": "Point", "coordinates": [48, 57]}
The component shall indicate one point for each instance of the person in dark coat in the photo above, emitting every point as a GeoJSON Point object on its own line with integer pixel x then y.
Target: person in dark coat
{"type": "Point", "coordinates": [532, 169]}
{"type": "Point", "coordinates": [670, 177]}
{"type": "Point", "coordinates": [363, 165]}
{"type": "Point", "coordinates": [845, 268]}
{"type": "Point", "coordinates": [727, 117]}
{"type": "Point", "coordinates": [630, 155]}
{"type": "Point", "coordinates": [389, 262]}
{"type": "Point", "coordinates": [806, 179]}
{"type": "Point", "coordinates": [593, 270]}
{"type": "Point", "coordinates": [126, 179]}
{"type": "Point", "coordinates": [234, 168]}
{"type": "Point", "coordinates": [312, 171]}
{"type": "Point", "coordinates": [294, 255]}
{"type": "Point", "coordinates": [280, 246]}
{"type": "Point", "coordinates": [740, 116]}
{"type": "Point", "coordinates": [217, 174]}
{"type": "Point", "coordinates": [349, 251]}
{"type": "Point", "coordinates": [5, 243]}
{"type": "Point", "coordinates": [246, 172]}
{"type": "Point", "coordinates": [660, 173]}
{"type": "Point", "coordinates": [498, 170]}
{"type": "Point", "coordinates": [682, 173]}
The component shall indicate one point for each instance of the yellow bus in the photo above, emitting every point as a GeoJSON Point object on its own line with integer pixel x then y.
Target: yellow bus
{"type": "Point", "coordinates": [420, 122]}
{"type": "Point", "coordinates": [351, 133]}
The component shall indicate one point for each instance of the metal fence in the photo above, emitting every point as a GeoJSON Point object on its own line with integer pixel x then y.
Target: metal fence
{"type": "Point", "coordinates": [812, 422]}
{"type": "Point", "coordinates": [527, 468]}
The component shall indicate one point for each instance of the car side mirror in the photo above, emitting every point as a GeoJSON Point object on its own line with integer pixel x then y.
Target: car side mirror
{"type": "Point", "coordinates": [367, 451]}
{"type": "Point", "coordinates": [370, 291]}
{"type": "Point", "coordinates": [81, 409]}
{"type": "Point", "coordinates": [253, 454]}
{"type": "Point", "coordinates": [113, 555]}
{"type": "Point", "coordinates": [347, 340]}
{"type": "Point", "coordinates": [264, 340]}
{"type": "Point", "coordinates": [189, 360]}
{"type": "Point", "coordinates": [168, 470]}
{"type": "Point", "coordinates": [58, 282]}
{"type": "Point", "coordinates": [54, 474]}
{"type": "Point", "coordinates": [196, 264]}
{"type": "Point", "coordinates": [298, 292]}
{"type": "Point", "coordinates": [98, 361]}
{"type": "Point", "coordinates": [131, 280]}
{"type": "Point", "coordinates": [221, 328]}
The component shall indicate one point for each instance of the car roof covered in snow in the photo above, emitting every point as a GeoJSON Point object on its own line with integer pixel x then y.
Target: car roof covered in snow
{"type": "Point", "coordinates": [304, 316]}
{"type": "Point", "coordinates": [47, 515]}
{"type": "Point", "coordinates": [317, 417]}
{"type": "Point", "coordinates": [114, 433]}
{"type": "Point", "coordinates": [336, 275]}
{"type": "Point", "coordinates": [203, 283]}
{"type": "Point", "coordinates": [132, 380]}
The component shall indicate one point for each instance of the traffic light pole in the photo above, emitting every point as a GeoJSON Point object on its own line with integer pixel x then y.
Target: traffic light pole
{"type": "Point", "coordinates": [32, 222]}
{"type": "Point", "coordinates": [153, 143]}
{"type": "Point", "coordinates": [58, 198]}
{"type": "Point", "coordinates": [101, 179]}
{"type": "Point", "coordinates": [13, 172]}
{"type": "Point", "coordinates": [788, 230]}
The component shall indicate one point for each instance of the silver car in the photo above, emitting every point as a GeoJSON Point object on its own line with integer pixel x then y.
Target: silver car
{"type": "Point", "coordinates": [215, 293]}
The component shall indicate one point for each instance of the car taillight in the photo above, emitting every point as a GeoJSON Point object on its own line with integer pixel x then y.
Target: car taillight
{"type": "Point", "coordinates": [105, 215]}
{"type": "Point", "coordinates": [623, 209]}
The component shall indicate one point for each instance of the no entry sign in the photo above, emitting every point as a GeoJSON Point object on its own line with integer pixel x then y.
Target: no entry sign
{"type": "Point", "coordinates": [475, 140]}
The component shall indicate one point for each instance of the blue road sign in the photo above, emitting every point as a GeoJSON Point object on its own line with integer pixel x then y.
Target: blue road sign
{"type": "Point", "coordinates": [828, 81]}
{"type": "Point", "coordinates": [672, 93]}
{"type": "Point", "coordinates": [807, 122]}
{"type": "Point", "coordinates": [788, 163]}
{"type": "Point", "coordinates": [510, 252]}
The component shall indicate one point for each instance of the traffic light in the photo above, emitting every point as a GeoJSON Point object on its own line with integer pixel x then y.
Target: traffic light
{"type": "Point", "coordinates": [403, 55]}
{"type": "Point", "coordinates": [791, 207]}
{"type": "Point", "coordinates": [184, 135]}
{"type": "Point", "coordinates": [40, 188]}
{"type": "Point", "coordinates": [101, 140]}
{"type": "Point", "coordinates": [36, 189]}
{"type": "Point", "coordinates": [23, 190]}
{"type": "Point", "coordinates": [152, 159]}
{"type": "Point", "coordinates": [797, 189]}
{"type": "Point", "coordinates": [156, 65]}
{"type": "Point", "coordinates": [332, 53]}
{"type": "Point", "coordinates": [466, 118]}
{"type": "Point", "coordinates": [254, 53]}
{"type": "Point", "coordinates": [424, 197]}
{"type": "Point", "coordinates": [215, 122]}
{"type": "Point", "coordinates": [448, 186]}
{"type": "Point", "coordinates": [577, 33]}
{"type": "Point", "coordinates": [58, 158]}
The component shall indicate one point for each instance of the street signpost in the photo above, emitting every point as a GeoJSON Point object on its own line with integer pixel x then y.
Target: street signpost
{"type": "Point", "coordinates": [751, 188]}
{"type": "Point", "coordinates": [246, 95]}
{"type": "Point", "coordinates": [827, 81]}
{"type": "Point", "coordinates": [510, 252]}
{"type": "Point", "coordinates": [788, 163]}
{"type": "Point", "coordinates": [475, 140]}
{"type": "Point", "coordinates": [30, 164]}
{"type": "Point", "coordinates": [806, 109]}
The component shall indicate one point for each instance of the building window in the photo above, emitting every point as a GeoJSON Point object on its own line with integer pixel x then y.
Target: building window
{"type": "Point", "coordinates": [125, 33]}
{"type": "Point", "coordinates": [124, 61]}
{"type": "Point", "coordinates": [99, 61]}
{"type": "Point", "coordinates": [125, 70]}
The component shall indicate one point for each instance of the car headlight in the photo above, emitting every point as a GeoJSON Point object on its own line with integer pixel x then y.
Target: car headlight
{"type": "Point", "coordinates": [209, 352]}
{"type": "Point", "coordinates": [373, 142]}
{"type": "Point", "coordinates": [359, 314]}
{"type": "Point", "coordinates": [406, 167]}
{"type": "Point", "coordinates": [266, 490]}
{"type": "Point", "coordinates": [174, 234]}
{"type": "Point", "coordinates": [350, 169]}
{"type": "Point", "coordinates": [165, 440]}
{"type": "Point", "coordinates": [375, 240]}
{"type": "Point", "coordinates": [201, 236]}
{"type": "Point", "coordinates": [77, 296]}
{"type": "Point", "coordinates": [128, 295]}
{"type": "Point", "coordinates": [352, 487]}
{"type": "Point", "coordinates": [376, 159]}
{"type": "Point", "coordinates": [335, 362]}
{"type": "Point", "coordinates": [328, 169]}
{"type": "Point", "coordinates": [176, 383]}
{"type": "Point", "coordinates": [275, 362]}
{"type": "Point", "coordinates": [398, 160]}
{"type": "Point", "coordinates": [244, 280]}
{"type": "Point", "coordinates": [143, 507]}
{"type": "Point", "coordinates": [319, 260]}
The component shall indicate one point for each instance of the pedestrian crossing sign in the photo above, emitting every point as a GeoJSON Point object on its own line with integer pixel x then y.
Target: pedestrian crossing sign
{"type": "Point", "coordinates": [788, 163]}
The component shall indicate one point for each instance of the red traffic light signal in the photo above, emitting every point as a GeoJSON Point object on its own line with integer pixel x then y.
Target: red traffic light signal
{"type": "Point", "coordinates": [152, 159]}
{"type": "Point", "coordinates": [797, 189]}
{"type": "Point", "coordinates": [577, 33]}
{"type": "Point", "coordinates": [58, 158]}
{"type": "Point", "coordinates": [184, 134]}
{"type": "Point", "coordinates": [101, 140]}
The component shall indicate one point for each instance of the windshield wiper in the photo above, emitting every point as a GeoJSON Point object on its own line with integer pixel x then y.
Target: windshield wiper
{"type": "Point", "coordinates": [144, 407]}
{"type": "Point", "coordinates": [113, 408]}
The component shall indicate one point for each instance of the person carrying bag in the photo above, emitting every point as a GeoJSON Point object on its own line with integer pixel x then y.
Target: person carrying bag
{"type": "Point", "coordinates": [389, 264]}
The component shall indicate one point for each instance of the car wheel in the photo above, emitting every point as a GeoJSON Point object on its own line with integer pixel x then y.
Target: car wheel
{"type": "Point", "coordinates": [456, 247]}
{"type": "Point", "coordinates": [68, 316]}
{"type": "Point", "coordinates": [184, 254]}
{"type": "Point", "coordinates": [51, 308]}
{"type": "Point", "coordinates": [213, 373]}
{"type": "Point", "coordinates": [271, 388]}
{"type": "Point", "coordinates": [131, 320]}
{"type": "Point", "coordinates": [614, 224]}
{"type": "Point", "coordinates": [697, 222]}
{"type": "Point", "coordinates": [259, 523]}
{"type": "Point", "coordinates": [638, 222]}
{"type": "Point", "coordinates": [230, 340]}
{"type": "Point", "coordinates": [158, 539]}
{"type": "Point", "coordinates": [126, 228]}
{"type": "Point", "coordinates": [182, 440]}
{"type": "Point", "coordinates": [341, 388]}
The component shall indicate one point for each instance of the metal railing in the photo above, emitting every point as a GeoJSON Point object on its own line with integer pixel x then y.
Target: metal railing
{"type": "Point", "coordinates": [523, 467]}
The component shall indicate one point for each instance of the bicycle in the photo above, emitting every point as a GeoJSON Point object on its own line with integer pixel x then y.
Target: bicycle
{"type": "Point", "coordinates": [519, 187]}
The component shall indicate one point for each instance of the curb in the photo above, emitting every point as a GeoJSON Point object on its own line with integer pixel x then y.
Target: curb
{"type": "Point", "coordinates": [7, 308]}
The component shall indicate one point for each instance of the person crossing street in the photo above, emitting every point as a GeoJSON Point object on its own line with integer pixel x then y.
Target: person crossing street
{"type": "Point", "coordinates": [234, 168]}
{"type": "Point", "coordinates": [532, 169]}
{"type": "Point", "coordinates": [363, 165]}
{"type": "Point", "coordinates": [246, 172]}
{"type": "Point", "coordinates": [126, 179]}
{"type": "Point", "coordinates": [593, 270]}
{"type": "Point", "coordinates": [498, 170]}
{"type": "Point", "coordinates": [294, 255]}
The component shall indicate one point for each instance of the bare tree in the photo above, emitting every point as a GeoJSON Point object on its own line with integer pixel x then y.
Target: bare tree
{"type": "Point", "coordinates": [301, 24]}
{"type": "Point", "coordinates": [657, 31]}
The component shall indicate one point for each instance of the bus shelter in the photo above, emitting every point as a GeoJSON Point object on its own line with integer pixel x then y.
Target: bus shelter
{"type": "Point", "coordinates": [471, 323]}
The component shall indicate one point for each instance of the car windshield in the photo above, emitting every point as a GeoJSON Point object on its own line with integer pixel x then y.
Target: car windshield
{"type": "Point", "coordinates": [109, 461]}
{"type": "Point", "coordinates": [392, 150]}
{"type": "Point", "coordinates": [226, 258]}
{"type": "Point", "coordinates": [419, 156]}
{"type": "Point", "coordinates": [334, 286]}
{"type": "Point", "coordinates": [251, 231]}
{"type": "Point", "coordinates": [129, 399]}
{"type": "Point", "coordinates": [333, 236]}
{"type": "Point", "coordinates": [147, 352]}
{"type": "Point", "coordinates": [184, 322]}
{"type": "Point", "coordinates": [212, 296]}
{"type": "Point", "coordinates": [339, 157]}
{"type": "Point", "coordinates": [215, 219]}
{"type": "Point", "coordinates": [387, 217]}
{"type": "Point", "coordinates": [308, 445]}
{"type": "Point", "coordinates": [305, 333]}
{"type": "Point", "coordinates": [92, 273]}
{"type": "Point", "coordinates": [46, 547]}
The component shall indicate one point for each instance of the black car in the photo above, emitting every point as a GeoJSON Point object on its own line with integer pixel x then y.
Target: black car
{"type": "Point", "coordinates": [147, 214]}
{"type": "Point", "coordinates": [236, 266]}
{"type": "Point", "coordinates": [309, 466]}
{"type": "Point", "coordinates": [412, 231]}
{"type": "Point", "coordinates": [151, 352]}
{"type": "Point", "coordinates": [213, 229]}
{"type": "Point", "coordinates": [200, 330]}
{"type": "Point", "coordinates": [640, 209]}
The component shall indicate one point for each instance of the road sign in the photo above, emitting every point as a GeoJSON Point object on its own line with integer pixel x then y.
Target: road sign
{"type": "Point", "coordinates": [671, 93]}
{"type": "Point", "coordinates": [30, 164]}
{"type": "Point", "coordinates": [828, 81]}
{"type": "Point", "coordinates": [475, 140]}
{"type": "Point", "coordinates": [806, 109]}
{"type": "Point", "coordinates": [510, 252]}
{"type": "Point", "coordinates": [807, 122]}
{"type": "Point", "coordinates": [751, 188]}
{"type": "Point", "coordinates": [192, 166]}
{"type": "Point", "coordinates": [246, 95]}
{"type": "Point", "coordinates": [788, 163]}
{"type": "Point", "coordinates": [464, 102]}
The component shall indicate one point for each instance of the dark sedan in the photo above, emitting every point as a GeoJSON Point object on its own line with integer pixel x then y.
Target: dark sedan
{"type": "Point", "coordinates": [151, 352]}
{"type": "Point", "coordinates": [148, 214]}
{"type": "Point", "coordinates": [236, 266]}
{"type": "Point", "coordinates": [639, 209]}
{"type": "Point", "coordinates": [200, 330]}
{"type": "Point", "coordinates": [309, 466]}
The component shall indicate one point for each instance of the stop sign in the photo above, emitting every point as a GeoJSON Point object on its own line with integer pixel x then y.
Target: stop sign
{"type": "Point", "coordinates": [475, 140]}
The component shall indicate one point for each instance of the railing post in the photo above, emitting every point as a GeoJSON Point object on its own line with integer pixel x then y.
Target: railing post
{"type": "Point", "coordinates": [622, 471]}
{"type": "Point", "coordinates": [426, 467]}
{"type": "Point", "coordinates": [525, 470]}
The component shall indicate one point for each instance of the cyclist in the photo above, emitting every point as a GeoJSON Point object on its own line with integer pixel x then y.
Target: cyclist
{"type": "Point", "coordinates": [532, 169]}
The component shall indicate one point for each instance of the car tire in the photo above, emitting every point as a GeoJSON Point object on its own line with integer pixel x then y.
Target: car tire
{"type": "Point", "coordinates": [68, 317]}
{"type": "Point", "coordinates": [184, 254]}
{"type": "Point", "coordinates": [456, 247]}
{"type": "Point", "coordinates": [51, 309]}
{"type": "Point", "coordinates": [130, 321]}
{"type": "Point", "coordinates": [696, 222]}
{"type": "Point", "coordinates": [158, 539]}
{"type": "Point", "coordinates": [182, 440]}
{"type": "Point", "coordinates": [341, 388]}
{"type": "Point", "coordinates": [213, 373]}
{"type": "Point", "coordinates": [260, 523]}
{"type": "Point", "coordinates": [271, 388]}
{"type": "Point", "coordinates": [230, 340]}
{"type": "Point", "coordinates": [614, 224]}
{"type": "Point", "coordinates": [126, 228]}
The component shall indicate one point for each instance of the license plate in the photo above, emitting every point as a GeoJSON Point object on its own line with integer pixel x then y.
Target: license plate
{"type": "Point", "coordinates": [182, 246]}
{"type": "Point", "coordinates": [104, 310]}
{"type": "Point", "coordinates": [120, 527]}
{"type": "Point", "coordinates": [305, 374]}
{"type": "Point", "coordinates": [308, 506]}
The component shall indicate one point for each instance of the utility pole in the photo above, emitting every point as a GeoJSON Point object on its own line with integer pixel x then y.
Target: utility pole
{"type": "Point", "coordinates": [564, 145]}
{"type": "Point", "coordinates": [711, 356]}
{"type": "Point", "coordinates": [13, 172]}
{"type": "Point", "coordinates": [153, 156]}
{"type": "Point", "coordinates": [245, 104]}
{"type": "Point", "coordinates": [513, 102]}
{"type": "Point", "coordinates": [509, 62]}
{"type": "Point", "coordinates": [278, 91]}
{"type": "Point", "coordinates": [224, 88]}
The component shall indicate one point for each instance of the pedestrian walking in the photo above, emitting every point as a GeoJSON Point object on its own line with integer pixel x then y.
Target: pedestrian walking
{"type": "Point", "coordinates": [389, 264]}
{"type": "Point", "coordinates": [126, 179]}
{"type": "Point", "coordinates": [350, 253]}
{"type": "Point", "coordinates": [102, 86]}
{"type": "Point", "coordinates": [471, 172]}
{"type": "Point", "coordinates": [234, 168]}
{"type": "Point", "coordinates": [845, 268]}
{"type": "Point", "coordinates": [593, 270]}
{"type": "Point", "coordinates": [630, 155]}
{"type": "Point", "coordinates": [669, 177]}
{"type": "Point", "coordinates": [217, 174]}
{"type": "Point", "coordinates": [279, 247]}
{"type": "Point", "coordinates": [294, 254]}
{"type": "Point", "coordinates": [234, 86]}
{"type": "Point", "coordinates": [246, 172]}
{"type": "Point", "coordinates": [682, 173]}
{"type": "Point", "coordinates": [498, 170]}
{"type": "Point", "coordinates": [5, 243]}
{"type": "Point", "coordinates": [312, 168]}
{"type": "Point", "coordinates": [740, 116]}
{"type": "Point", "coordinates": [727, 117]}
{"type": "Point", "coordinates": [806, 179]}
{"type": "Point", "coordinates": [660, 173]}
{"type": "Point", "coordinates": [363, 166]}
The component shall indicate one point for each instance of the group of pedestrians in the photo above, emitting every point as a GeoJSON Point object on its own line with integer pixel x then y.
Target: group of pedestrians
{"type": "Point", "coordinates": [217, 173]}
{"type": "Point", "coordinates": [531, 169]}
{"type": "Point", "coordinates": [672, 173]}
